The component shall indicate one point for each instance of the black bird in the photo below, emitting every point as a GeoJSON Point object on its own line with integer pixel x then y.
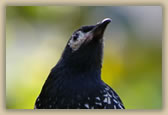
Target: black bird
{"type": "Point", "coordinates": [75, 82]}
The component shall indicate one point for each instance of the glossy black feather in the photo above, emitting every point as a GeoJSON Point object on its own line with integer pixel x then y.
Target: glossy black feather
{"type": "Point", "coordinates": [75, 82]}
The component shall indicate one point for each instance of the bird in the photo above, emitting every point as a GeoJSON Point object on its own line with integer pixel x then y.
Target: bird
{"type": "Point", "coordinates": [75, 81]}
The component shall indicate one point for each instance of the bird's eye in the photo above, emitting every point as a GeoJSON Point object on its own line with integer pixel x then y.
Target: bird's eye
{"type": "Point", "coordinates": [75, 36]}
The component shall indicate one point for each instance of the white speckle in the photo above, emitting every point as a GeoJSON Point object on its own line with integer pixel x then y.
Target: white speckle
{"type": "Point", "coordinates": [107, 88]}
{"type": "Point", "coordinates": [38, 99]}
{"type": "Point", "coordinates": [87, 106]}
{"type": "Point", "coordinates": [113, 94]}
{"type": "Point", "coordinates": [98, 98]}
{"type": "Point", "coordinates": [109, 100]}
{"type": "Point", "coordinates": [120, 106]}
{"type": "Point", "coordinates": [114, 106]}
{"type": "Point", "coordinates": [88, 98]}
{"type": "Point", "coordinates": [79, 104]}
{"type": "Point", "coordinates": [92, 107]}
{"type": "Point", "coordinates": [105, 95]}
{"type": "Point", "coordinates": [98, 104]}
{"type": "Point", "coordinates": [109, 94]}
{"type": "Point", "coordinates": [105, 100]}
{"type": "Point", "coordinates": [115, 101]}
{"type": "Point", "coordinates": [50, 106]}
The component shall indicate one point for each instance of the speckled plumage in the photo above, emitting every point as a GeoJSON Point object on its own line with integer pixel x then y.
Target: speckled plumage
{"type": "Point", "coordinates": [75, 82]}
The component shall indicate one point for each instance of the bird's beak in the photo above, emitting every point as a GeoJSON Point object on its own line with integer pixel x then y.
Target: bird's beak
{"type": "Point", "coordinates": [100, 27]}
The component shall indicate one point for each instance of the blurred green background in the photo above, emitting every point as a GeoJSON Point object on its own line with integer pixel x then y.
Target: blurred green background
{"type": "Point", "coordinates": [132, 66]}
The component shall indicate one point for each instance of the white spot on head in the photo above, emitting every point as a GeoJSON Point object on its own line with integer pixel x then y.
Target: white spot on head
{"type": "Point", "coordinates": [87, 106]}
{"type": "Point", "coordinates": [82, 37]}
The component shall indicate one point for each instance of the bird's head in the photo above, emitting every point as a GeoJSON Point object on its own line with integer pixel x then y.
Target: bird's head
{"type": "Point", "coordinates": [85, 46]}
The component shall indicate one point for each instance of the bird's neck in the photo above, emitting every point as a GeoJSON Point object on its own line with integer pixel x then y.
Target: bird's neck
{"type": "Point", "coordinates": [85, 72]}
{"type": "Point", "coordinates": [84, 65]}
{"type": "Point", "coordinates": [87, 60]}
{"type": "Point", "coordinates": [81, 69]}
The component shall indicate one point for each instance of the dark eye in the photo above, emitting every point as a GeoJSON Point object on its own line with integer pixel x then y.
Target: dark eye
{"type": "Point", "coordinates": [75, 36]}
